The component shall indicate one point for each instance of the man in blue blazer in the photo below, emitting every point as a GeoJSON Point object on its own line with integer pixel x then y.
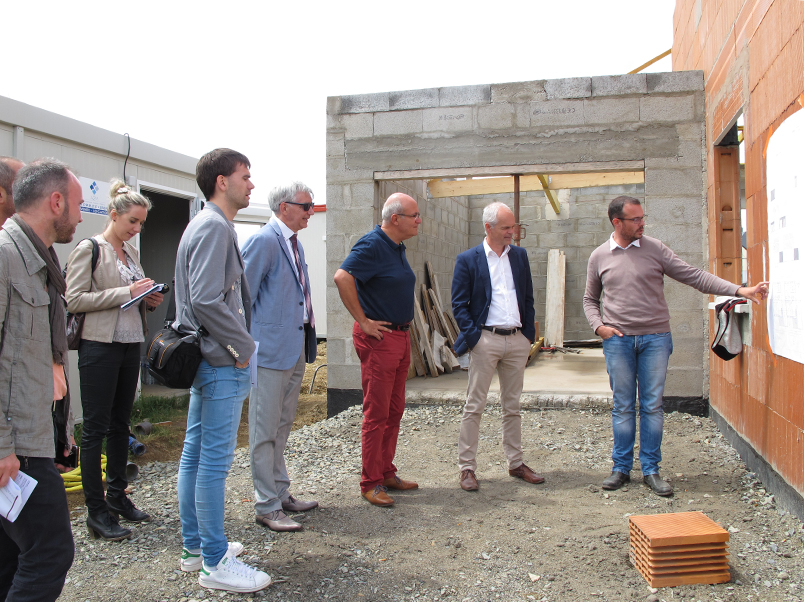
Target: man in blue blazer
{"type": "Point", "coordinates": [492, 300]}
{"type": "Point", "coordinates": [284, 326]}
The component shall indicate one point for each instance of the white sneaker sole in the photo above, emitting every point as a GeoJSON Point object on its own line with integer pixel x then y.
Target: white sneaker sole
{"type": "Point", "coordinates": [211, 584]}
{"type": "Point", "coordinates": [194, 564]}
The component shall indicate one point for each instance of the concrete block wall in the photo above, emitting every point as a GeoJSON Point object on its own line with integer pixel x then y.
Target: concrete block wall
{"type": "Point", "coordinates": [656, 120]}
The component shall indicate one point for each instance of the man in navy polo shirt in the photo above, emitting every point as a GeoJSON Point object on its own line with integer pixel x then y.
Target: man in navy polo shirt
{"type": "Point", "coordinates": [377, 285]}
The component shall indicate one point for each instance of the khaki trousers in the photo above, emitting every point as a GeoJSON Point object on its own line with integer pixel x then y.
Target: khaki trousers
{"type": "Point", "coordinates": [508, 355]}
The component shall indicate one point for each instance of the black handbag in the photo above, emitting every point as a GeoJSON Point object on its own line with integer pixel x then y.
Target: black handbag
{"type": "Point", "coordinates": [75, 322]}
{"type": "Point", "coordinates": [173, 357]}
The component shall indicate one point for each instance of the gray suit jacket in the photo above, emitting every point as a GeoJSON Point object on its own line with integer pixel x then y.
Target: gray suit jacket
{"type": "Point", "coordinates": [278, 310]}
{"type": "Point", "coordinates": [208, 266]}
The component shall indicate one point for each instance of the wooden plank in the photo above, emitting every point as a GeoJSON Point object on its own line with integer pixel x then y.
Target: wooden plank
{"type": "Point", "coordinates": [507, 170]}
{"type": "Point", "coordinates": [534, 350]}
{"type": "Point", "coordinates": [451, 323]}
{"type": "Point", "coordinates": [554, 306]}
{"type": "Point", "coordinates": [433, 278]}
{"type": "Point", "coordinates": [429, 310]}
{"type": "Point", "coordinates": [445, 330]}
{"type": "Point", "coordinates": [551, 196]}
{"type": "Point", "coordinates": [454, 324]}
{"type": "Point", "coordinates": [498, 185]}
{"type": "Point", "coordinates": [415, 352]}
{"type": "Point", "coordinates": [424, 340]}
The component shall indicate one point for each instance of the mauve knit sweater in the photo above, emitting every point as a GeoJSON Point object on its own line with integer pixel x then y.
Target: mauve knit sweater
{"type": "Point", "coordinates": [632, 283]}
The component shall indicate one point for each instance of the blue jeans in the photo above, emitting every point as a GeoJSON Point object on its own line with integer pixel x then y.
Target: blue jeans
{"type": "Point", "coordinates": [216, 401]}
{"type": "Point", "coordinates": [637, 362]}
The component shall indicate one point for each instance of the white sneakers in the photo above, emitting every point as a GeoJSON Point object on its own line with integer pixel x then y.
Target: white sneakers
{"type": "Point", "coordinates": [191, 562]}
{"type": "Point", "coordinates": [233, 576]}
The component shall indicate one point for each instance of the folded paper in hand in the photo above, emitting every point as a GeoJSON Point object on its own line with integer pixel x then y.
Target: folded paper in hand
{"type": "Point", "coordinates": [14, 495]}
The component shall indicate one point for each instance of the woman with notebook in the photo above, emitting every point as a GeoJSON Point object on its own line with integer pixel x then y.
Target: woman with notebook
{"type": "Point", "coordinates": [109, 354]}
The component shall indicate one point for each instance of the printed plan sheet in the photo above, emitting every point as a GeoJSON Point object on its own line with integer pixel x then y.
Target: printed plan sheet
{"type": "Point", "coordinates": [785, 161]}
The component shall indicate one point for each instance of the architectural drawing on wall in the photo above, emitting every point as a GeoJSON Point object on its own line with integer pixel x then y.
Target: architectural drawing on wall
{"type": "Point", "coordinates": [785, 191]}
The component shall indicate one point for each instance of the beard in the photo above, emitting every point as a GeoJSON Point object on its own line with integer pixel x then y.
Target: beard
{"type": "Point", "coordinates": [64, 229]}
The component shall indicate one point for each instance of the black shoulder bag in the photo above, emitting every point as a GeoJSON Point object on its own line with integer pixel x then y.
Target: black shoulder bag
{"type": "Point", "coordinates": [75, 322]}
{"type": "Point", "coordinates": [173, 357]}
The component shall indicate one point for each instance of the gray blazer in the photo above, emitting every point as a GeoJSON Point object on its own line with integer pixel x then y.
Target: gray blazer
{"type": "Point", "coordinates": [278, 311]}
{"type": "Point", "coordinates": [208, 267]}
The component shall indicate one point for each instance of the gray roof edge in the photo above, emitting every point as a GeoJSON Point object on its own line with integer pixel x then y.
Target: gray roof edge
{"type": "Point", "coordinates": [16, 113]}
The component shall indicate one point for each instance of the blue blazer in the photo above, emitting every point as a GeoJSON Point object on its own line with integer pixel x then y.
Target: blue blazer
{"type": "Point", "coordinates": [277, 311]}
{"type": "Point", "coordinates": [471, 294]}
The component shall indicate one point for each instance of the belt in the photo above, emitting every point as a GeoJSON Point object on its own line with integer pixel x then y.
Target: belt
{"type": "Point", "coordinates": [403, 327]}
{"type": "Point", "coordinates": [500, 331]}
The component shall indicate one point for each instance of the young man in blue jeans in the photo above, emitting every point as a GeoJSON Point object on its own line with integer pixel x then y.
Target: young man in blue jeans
{"type": "Point", "coordinates": [629, 269]}
{"type": "Point", "coordinates": [212, 293]}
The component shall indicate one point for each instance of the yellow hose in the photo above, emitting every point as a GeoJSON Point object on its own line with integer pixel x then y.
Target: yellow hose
{"type": "Point", "coordinates": [72, 479]}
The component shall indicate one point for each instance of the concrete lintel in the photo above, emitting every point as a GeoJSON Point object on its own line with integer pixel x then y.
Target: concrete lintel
{"type": "Point", "coordinates": [675, 81]}
{"type": "Point", "coordinates": [507, 170]}
{"type": "Point", "coordinates": [413, 99]}
{"type": "Point", "coordinates": [464, 95]}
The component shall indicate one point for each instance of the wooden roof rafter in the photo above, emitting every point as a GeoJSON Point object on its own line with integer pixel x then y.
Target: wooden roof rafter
{"type": "Point", "coordinates": [496, 185]}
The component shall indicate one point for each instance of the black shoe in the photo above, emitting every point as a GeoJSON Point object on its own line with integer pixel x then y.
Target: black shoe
{"type": "Point", "coordinates": [616, 480]}
{"type": "Point", "coordinates": [122, 506]}
{"type": "Point", "coordinates": [658, 486]}
{"type": "Point", "coordinates": [102, 524]}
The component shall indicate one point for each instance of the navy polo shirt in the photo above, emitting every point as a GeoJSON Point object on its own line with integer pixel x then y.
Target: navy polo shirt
{"type": "Point", "coordinates": [385, 283]}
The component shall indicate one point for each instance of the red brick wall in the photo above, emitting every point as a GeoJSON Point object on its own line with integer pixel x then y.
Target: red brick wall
{"type": "Point", "coordinates": [752, 56]}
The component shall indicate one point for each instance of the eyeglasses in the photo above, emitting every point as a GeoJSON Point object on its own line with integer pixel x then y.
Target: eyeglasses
{"type": "Point", "coordinates": [414, 216]}
{"type": "Point", "coordinates": [634, 220]}
{"type": "Point", "coordinates": [304, 206]}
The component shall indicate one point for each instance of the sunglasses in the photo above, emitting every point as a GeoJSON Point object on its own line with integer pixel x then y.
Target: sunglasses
{"type": "Point", "coordinates": [304, 206]}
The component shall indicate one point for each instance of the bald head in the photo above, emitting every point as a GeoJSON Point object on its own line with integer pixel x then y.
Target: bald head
{"type": "Point", "coordinates": [400, 217]}
{"type": "Point", "coordinates": [9, 166]}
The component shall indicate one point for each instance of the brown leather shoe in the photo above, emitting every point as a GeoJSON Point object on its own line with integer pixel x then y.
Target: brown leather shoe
{"type": "Point", "coordinates": [526, 474]}
{"type": "Point", "coordinates": [378, 497]}
{"type": "Point", "coordinates": [469, 481]}
{"type": "Point", "coordinates": [395, 482]}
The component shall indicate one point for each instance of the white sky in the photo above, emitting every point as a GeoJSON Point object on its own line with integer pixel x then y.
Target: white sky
{"type": "Point", "coordinates": [254, 76]}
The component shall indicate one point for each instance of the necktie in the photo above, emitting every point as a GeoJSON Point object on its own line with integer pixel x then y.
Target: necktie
{"type": "Point", "coordinates": [307, 301]}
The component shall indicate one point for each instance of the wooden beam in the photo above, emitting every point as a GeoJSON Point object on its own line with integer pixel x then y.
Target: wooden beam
{"type": "Point", "coordinates": [554, 305]}
{"type": "Point", "coordinates": [507, 170]}
{"type": "Point", "coordinates": [551, 196]}
{"type": "Point", "coordinates": [650, 62]}
{"type": "Point", "coordinates": [441, 189]}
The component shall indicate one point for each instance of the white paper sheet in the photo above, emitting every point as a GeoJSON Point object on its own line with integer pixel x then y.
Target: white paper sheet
{"type": "Point", "coordinates": [785, 190]}
{"type": "Point", "coordinates": [15, 494]}
{"type": "Point", "coordinates": [253, 364]}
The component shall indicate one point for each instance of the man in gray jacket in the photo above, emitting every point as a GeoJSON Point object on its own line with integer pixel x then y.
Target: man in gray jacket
{"type": "Point", "coordinates": [36, 550]}
{"type": "Point", "coordinates": [212, 297]}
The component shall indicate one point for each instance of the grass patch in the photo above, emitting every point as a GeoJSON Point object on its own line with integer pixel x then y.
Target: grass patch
{"type": "Point", "coordinates": [159, 409]}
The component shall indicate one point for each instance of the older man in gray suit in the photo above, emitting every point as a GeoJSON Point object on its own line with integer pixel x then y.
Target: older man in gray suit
{"type": "Point", "coordinates": [284, 326]}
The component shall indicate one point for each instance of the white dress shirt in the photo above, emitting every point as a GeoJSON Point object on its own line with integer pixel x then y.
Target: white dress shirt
{"type": "Point", "coordinates": [613, 243]}
{"type": "Point", "coordinates": [287, 233]}
{"type": "Point", "coordinates": [504, 309]}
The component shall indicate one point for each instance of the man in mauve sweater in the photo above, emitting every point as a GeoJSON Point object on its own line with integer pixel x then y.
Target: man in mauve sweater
{"type": "Point", "coordinates": [629, 271]}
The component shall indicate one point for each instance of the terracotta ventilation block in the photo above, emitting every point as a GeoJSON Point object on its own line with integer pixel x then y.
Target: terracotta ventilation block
{"type": "Point", "coordinates": [679, 548]}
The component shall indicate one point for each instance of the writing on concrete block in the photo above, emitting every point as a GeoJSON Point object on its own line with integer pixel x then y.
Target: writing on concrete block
{"type": "Point", "coordinates": [451, 117]}
{"type": "Point", "coordinates": [554, 111]}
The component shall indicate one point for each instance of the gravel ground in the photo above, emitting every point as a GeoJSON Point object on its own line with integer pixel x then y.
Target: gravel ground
{"type": "Point", "coordinates": [565, 540]}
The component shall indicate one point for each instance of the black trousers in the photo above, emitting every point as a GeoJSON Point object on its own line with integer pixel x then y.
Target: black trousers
{"type": "Point", "coordinates": [37, 549]}
{"type": "Point", "coordinates": [109, 373]}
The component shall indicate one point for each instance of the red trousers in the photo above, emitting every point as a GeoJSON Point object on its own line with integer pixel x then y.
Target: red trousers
{"type": "Point", "coordinates": [384, 370]}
